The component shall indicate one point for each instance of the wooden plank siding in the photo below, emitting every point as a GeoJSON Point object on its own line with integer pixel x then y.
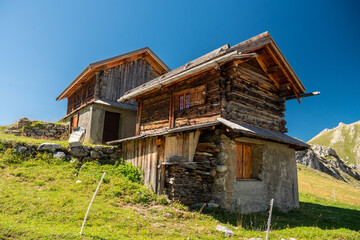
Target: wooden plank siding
{"type": "Point", "coordinates": [147, 155]}
{"type": "Point", "coordinates": [81, 96]}
{"type": "Point", "coordinates": [150, 153]}
{"type": "Point", "coordinates": [127, 75]}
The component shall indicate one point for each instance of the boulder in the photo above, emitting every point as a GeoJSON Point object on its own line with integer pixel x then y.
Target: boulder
{"type": "Point", "coordinates": [59, 155]}
{"type": "Point", "coordinates": [20, 149]}
{"type": "Point", "coordinates": [225, 230]}
{"type": "Point", "coordinates": [212, 205]}
{"type": "Point", "coordinates": [95, 154]}
{"type": "Point", "coordinates": [77, 137]}
{"type": "Point", "coordinates": [78, 152]}
{"type": "Point", "coordinates": [221, 168]}
{"type": "Point", "coordinates": [51, 147]}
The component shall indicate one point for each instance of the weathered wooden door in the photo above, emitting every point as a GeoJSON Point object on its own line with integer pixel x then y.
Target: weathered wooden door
{"type": "Point", "coordinates": [111, 126]}
{"type": "Point", "coordinates": [243, 158]}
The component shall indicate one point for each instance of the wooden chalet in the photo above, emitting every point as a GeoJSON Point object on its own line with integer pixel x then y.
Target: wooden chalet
{"type": "Point", "coordinates": [92, 96]}
{"type": "Point", "coordinates": [213, 130]}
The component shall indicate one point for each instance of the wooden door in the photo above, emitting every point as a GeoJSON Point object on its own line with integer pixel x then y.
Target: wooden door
{"type": "Point", "coordinates": [111, 126]}
{"type": "Point", "coordinates": [243, 157]}
{"type": "Point", "coordinates": [74, 122]}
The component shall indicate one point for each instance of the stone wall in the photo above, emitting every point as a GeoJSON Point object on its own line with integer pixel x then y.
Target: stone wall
{"type": "Point", "coordinates": [39, 129]}
{"type": "Point", "coordinates": [191, 182]}
{"type": "Point", "coordinates": [104, 154]}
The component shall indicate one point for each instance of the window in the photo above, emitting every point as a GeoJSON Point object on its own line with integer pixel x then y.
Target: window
{"type": "Point", "coordinates": [243, 156]}
{"type": "Point", "coordinates": [184, 101]}
{"type": "Point", "coordinates": [191, 97]}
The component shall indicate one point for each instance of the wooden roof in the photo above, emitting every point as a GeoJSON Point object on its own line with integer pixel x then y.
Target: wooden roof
{"type": "Point", "coordinates": [246, 129]}
{"type": "Point", "coordinates": [90, 71]}
{"type": "Point", "coordinates": [261, 47]}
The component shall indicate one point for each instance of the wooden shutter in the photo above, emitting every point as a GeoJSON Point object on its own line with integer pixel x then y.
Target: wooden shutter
{"type": "Point", "coordinates": [243, 160]}
{"type": "Point", "coordinates": [197, 95]}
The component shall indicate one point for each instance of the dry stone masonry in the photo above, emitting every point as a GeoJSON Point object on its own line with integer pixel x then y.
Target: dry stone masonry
{"type": "Point", "coordinates": [39, 129]}
{"type": "Point", "coordinates": [103, 154]}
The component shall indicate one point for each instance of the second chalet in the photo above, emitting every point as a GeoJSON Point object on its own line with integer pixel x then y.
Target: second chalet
{"type": "Point", "coordinates": [213, 130]}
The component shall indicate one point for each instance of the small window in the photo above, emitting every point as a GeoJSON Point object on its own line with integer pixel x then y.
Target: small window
{"type": "Point", "coordinates": [190, 97]}
{"type": "Point", "coordinates": [243, 156]}
{"type": "Point", "coordinates": [184, 101]}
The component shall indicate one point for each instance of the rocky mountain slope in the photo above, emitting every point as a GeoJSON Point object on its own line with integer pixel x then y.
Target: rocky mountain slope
{"type": "Point", "coordinates": [326, 160]}
{"type": "Point", "coordinates": [344, 139]}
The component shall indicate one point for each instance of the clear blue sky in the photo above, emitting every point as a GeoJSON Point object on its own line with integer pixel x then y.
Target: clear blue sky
{"type": "Point", "coordinates": [44, 45]}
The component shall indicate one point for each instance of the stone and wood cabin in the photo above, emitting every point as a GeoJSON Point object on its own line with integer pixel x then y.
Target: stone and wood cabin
{"type": "Point", "coordinates": [213, 130]}
{"type": "Point", "coordinates": [92, 96]}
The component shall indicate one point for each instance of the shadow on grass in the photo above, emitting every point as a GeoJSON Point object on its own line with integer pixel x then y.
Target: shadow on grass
{"type": "Point", "coordinates": [307, 215]}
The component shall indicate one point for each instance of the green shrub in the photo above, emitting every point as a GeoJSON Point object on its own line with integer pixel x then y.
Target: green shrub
{"type": "Point", "coordinates": [131, 172]}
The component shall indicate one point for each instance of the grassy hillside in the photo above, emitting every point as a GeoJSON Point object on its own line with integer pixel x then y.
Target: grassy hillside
{"type": "Point", "coordinates": [344, 139]}
{"type": "Point", "coordinates": [40, 199]}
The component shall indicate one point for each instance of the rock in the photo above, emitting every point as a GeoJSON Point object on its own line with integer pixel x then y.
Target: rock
{"type": "Point", "coordinates": [167, 215]}
{"type": "Point", "coordinates": [59, 155]}
{"type": "Point", "coordinates": [220, 181]}
{"type": "Point", "coordinates": [109, 150]}
{"type": "Point", "coordinates": [197, 205]}
{"type": "Point", "coordinates": [77, 137]}
{"type": "Point", "coordinates": [52, 147]}
{"type": "Point", "coordinates": [78, 181]}
{"type": "Point", "coordinates": [20, 149]}
{"type": "Point", "coordinates": [225, 230]}
{"type": "Point", "coordinates": [87, 148]}
{"type": "Point", "coordinates": [221, 168]}
{"type": "Point", "coordinates": [326, 160]}
{"type": "Point", "coordinates": [78, 152]}
{"type": "Point", "coordinates": [97, 148]}
{"type": "Point", "coordinates": [95, 154]}
{"type": "Point", "coordinates": [212, 205]}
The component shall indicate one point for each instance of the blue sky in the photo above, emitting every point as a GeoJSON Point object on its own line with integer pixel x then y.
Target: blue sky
{"type": "Point", "coordinates": [44, 45]}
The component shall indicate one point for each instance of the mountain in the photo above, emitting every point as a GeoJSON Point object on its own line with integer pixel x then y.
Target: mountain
{"type": "Point", "coordinates": [344, 139]}
{"type": "Point", "coordinates": [326, 160]}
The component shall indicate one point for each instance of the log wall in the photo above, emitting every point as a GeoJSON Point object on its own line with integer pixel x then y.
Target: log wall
{"type": "Point", "coordinates": [157, 108]}
{"type": "Point", "coordinates": [252, 98]}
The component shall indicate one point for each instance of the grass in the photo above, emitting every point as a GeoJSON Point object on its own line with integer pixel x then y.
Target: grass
{"type": "Point", "coordinates": [320, 186]}
{"type": "Point", "coordinates": [40, 199]}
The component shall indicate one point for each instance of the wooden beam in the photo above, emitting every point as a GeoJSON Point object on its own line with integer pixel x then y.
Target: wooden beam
{"type": "Point", "coordinates": [155, 64]}
{"type": "Point", "coordinates": [273, 56]}
{"type": "Point", "coordinates": [273, 69]}
{"type": "Point", "coordinates": [264, 67]}
{"type": "Point", "coordinates": [303, 95]}
{"type": "Point", "coordinates": [138, 117]}
{"type": "Point", "coordinates": [172, 109]}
